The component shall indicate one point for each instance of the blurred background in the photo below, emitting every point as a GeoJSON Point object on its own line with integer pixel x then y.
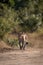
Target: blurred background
{"type": "Point", "coordinates": [21, 15]}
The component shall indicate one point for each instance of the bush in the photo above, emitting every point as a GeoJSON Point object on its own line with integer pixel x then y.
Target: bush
{"type": "Point", "coordinates": [12, 42]}
{"type": "Point", "coordinates": [6, 24]}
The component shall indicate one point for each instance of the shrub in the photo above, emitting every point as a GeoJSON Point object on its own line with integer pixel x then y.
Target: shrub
{"type": "Point", "coordinates": [12, 42]}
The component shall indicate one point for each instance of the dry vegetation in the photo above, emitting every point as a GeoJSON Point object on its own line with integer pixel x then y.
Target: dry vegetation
{"type": "Point", "coordinates": [35, 41]}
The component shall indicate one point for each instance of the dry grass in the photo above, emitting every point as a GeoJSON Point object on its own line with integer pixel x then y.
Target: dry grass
{"type": "Point", "coordinates": [4, 45]}
{"type": "Point", "coordinates": [35, 41]}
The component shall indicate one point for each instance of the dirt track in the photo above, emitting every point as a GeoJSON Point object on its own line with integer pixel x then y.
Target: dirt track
{"type": "Point", "coordinates": [20, 57]}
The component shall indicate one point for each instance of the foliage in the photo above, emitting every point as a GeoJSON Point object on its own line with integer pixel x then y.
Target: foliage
{"type": "Point", "coordinates": [11, 41]}
{"type": "Point", "coordinates": [30, 14]}
{"type": "Point", "coordinates": [12, 3]}
{"type": "Point", "coordinates": [22, 15]}
{"type": "Point", "coordinates": [6, 24]}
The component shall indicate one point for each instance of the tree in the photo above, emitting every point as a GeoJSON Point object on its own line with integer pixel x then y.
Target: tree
{"type": "Point", "coordinates": [25, 14]}
{"type": "Point", "coordinates": [30, 15]}
{"type": "Point", "coordinates": [7, 23]}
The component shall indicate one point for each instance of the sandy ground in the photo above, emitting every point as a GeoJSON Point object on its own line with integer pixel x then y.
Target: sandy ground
{"type": "Point", "coordinates": [22, 57]}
